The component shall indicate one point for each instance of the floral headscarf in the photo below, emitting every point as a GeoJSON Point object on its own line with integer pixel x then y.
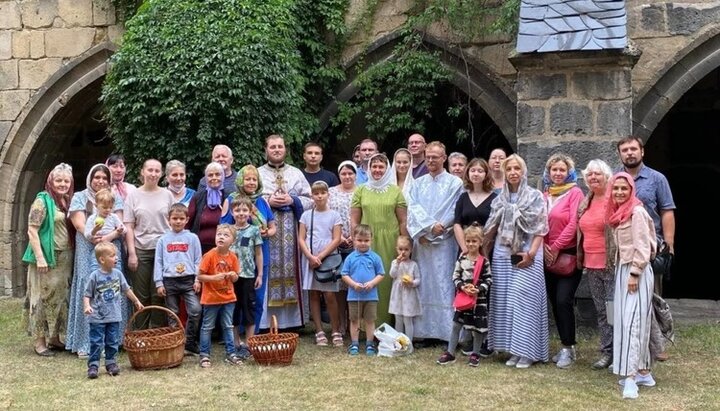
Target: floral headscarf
{"type": "Point", "coordinates": [615, 214]}
{"type": "Point", "coordinates": [555, 190]}
{"type": "Point", "coordinates": [256, 217]}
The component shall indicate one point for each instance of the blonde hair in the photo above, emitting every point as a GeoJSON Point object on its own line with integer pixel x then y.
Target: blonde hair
{"type": "Point", "coordinates": [436, 144]}
{"type": "Point", "coordinates": [105, 196]}
{"type": "Point", "coordinates": [404, 239]}
{"type": "Point", "coordinates": [560, 157]}
{"type": "Point", "coordinates": [104, 248]}
{"type": "Point", "coordinates": [518, 159]}
{"type": "Point", "coordinates": [473, 231]}
{"type": "Point", "coordinates": [362, 230]}
{"type": "Point", "coordinates": [227, 227]}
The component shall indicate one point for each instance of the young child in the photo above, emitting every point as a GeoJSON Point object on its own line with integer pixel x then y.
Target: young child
{"type": "Point", "coordinates": [102, 306]}
{"type": "Point", "coordinates": [319, 235]}
{"type": "Point", "coordinates": [177, 257]}
{"type": "Point", "coordinates": [218, 271]}
{"type": "Point", "coordinates": [248, 248]}
{"type": "Point", "coordinates": [404, 296]}
{"type": "Point", "coordinates": [104, 223]}
{"type": "Point", "coordinates": [362, 271]}
{"type": "Point", "coordinates": [474, 319]}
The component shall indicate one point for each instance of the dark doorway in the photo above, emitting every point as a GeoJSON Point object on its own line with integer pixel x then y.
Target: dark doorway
{"type": "Point", "coordinates": [684, 147]}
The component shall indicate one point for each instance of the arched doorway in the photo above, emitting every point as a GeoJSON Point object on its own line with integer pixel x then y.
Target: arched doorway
{"type": "Point", "coordinates": [490, 103]}
{"type": "Point", "coordinates": [61, 123]}
{"type": "Point", "coordinates": [679, 119]}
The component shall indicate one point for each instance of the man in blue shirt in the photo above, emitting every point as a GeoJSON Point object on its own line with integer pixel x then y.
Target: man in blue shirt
{"type": "Point", "coordinates": [368, 148]}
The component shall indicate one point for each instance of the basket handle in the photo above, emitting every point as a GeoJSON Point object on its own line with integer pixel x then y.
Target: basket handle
{"type": "Point", "coordinates": [273, 325]}
{"type": "Point", "coordinates": [152, 307]}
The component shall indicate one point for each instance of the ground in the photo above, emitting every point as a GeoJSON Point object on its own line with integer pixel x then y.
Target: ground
{"type": "Point", "coordinates": [327, 378]}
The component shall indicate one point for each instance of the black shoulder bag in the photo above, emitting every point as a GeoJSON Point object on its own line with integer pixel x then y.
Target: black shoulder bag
{"type": "Point", "coordinates": [329, 270]}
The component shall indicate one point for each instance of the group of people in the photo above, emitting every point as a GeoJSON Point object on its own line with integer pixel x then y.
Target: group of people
{"type": "Point", "coordinates": [252, 242]}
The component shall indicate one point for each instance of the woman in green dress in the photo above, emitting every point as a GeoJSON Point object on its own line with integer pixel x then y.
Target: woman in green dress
{"type": "Point", "coordinates": [381, 205]}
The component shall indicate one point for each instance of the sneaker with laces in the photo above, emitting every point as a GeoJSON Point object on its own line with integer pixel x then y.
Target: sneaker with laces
{"type": "Point", "coordinates": [630, 389]}
{"type": "Point", "coordinates": [112, 369]}
{"type": "Point", "coordinates": [566, 357]}
{"type": "Point", "coordinates": [646, 380]}
{"type": "Point", "coordinates": [524, 362]}
{"type": "Point", "coordinates": [512, 361]}
{"type": "Point", "coordinates": [466, 348]}
{"type": "Point", "coordinates": [233, 359]}
{"type": "Point", "coordinates": [446, 358]}
{"type": "Point", "coordinates": [92, 372]}
{"type": "Point", "coordinates": [603, 362]}
{"type": "Point", "coordinates": [474, 360]}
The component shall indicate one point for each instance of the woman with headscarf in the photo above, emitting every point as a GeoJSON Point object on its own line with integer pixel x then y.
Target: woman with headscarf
{"type": "Point", "coordinates": [402, 170]}
{"type": "Point", "coordinates": [375, 203]}
{"type": "Point", "coordinates": [249, 184]}
{"type": "Point", "coordinates": [596, 252]}
{"type": "Point", "coordinates": [563, 197]}
{"type": "Point", "coordinates": [634, 234]}
{"type": "Point", "coordinates": [49, 258]}
{"type": "Point", "coordinates": [205, 209]}
{"type": "Point", "coordinates": [340, 200]}
{"type": "Point", "coordinates": [116, 164]}
{"type": "Point", "coordinates": [516, 226]}
{"type": "Point", "coordinates": [81, 207]}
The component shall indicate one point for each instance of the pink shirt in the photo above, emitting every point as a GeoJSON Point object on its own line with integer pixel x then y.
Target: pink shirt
{"type": "Point", "coordinates": [562, 220]}
{"type": "Point", "coordinates": [592, 225]}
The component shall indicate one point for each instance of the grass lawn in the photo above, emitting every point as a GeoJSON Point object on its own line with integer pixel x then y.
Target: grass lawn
{"type": "Point", "coordinates": [327, 378]}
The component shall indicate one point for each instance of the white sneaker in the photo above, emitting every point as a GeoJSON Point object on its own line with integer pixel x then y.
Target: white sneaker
{"type": "Point", "coordinates": [566, 357]}
{"type": "Point", "coordinates": [512, 361]}
{"type": "Point", "coordinates": [556, 357]}
{"type": "Point", "coordinates": [630, 390]}
{"type": "Point", "coordinates": [524, 362]}
{"type": "Point", "coordinates": [646, 380]}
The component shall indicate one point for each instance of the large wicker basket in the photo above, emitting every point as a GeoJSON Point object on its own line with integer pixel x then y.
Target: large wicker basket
{"type": "Point", "coordinates": [155, 348]}
{"type": "Point", "coordinates": [273, 348]}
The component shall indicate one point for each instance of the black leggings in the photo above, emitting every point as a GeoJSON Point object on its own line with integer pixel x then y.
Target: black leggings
{"type": "Point", "coordinates": [561, 293]}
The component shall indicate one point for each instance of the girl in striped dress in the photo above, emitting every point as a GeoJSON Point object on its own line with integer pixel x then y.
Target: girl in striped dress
{"type": "Point", "coordinates": [633, 315]}
{"type": "Point", "coordinates": [518, 302]}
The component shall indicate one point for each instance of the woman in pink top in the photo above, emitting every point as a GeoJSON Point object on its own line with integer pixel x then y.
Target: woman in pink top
{"type": "Point", "coordinates": [563, 198]}
{"type": "Point", "coordinates": [596, 252]}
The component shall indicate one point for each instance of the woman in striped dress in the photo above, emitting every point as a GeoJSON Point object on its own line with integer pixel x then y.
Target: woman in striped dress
{"type": "Point", "coordinates": [518, 313]}
{"type": "Point", "coordinates": [633, 314]}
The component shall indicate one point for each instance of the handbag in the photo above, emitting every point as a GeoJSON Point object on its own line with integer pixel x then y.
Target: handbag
{"type": "Point", "coordinates": [465, 301]}
{"type": "Point", "coordinates": [564, 265]}
{"type": "Point", "coordinates": [662, 263]}
{"type": "Point", "coordinates": [329, 270]}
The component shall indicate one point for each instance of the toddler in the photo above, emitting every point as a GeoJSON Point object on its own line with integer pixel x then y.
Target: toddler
{"type": "Point", "coordinates": [362, 271]}
{"type": "Point", "coordinates": [218, 271]}
{"type": "Point", "coordinates": [105, 224]}
{"type": "Point", "coordinates": [102, 305]}
{"type": "Point", "coordinates": [474, 319]}
{"type": "Point", "coordinates": [404, 296]}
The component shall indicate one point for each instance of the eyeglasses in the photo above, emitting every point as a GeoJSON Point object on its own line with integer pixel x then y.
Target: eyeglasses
{"type": "Point", "coordinates": [433, 158]}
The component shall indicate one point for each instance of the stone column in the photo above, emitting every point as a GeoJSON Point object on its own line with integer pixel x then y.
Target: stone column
{"type": "Point", "coordinates": [577, 102]}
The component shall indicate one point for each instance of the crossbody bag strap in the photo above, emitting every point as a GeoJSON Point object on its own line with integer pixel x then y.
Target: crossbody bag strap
{"type": "Point", "coordinates": [478, 267]}
{"type": "Point", "coordinates": [312, 224]}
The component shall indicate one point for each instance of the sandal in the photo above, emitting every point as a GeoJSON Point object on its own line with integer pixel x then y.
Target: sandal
{"type": "Point", "coordinates": [370, 350]}
{"type": "Point", "coordinates": [45, 352]}
{"type": "Point", "coordinates": [337, 339]}
{"type": "Point", "coordinates": [320, 339]}
{"type": "Point", "coordinates": [353, 349]}
{"type": "Point", "coordinates": [205, 362]}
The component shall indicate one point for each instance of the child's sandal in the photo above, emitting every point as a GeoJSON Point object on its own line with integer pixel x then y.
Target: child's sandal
{"type": "Point", "coordinates": [337, 339]}
{"type": "Point", "coordinates": [353, 349]}
{"type": "Point", "coordinates": [320, 339]}
{"type": "Point", "coordinates": [205, 362]}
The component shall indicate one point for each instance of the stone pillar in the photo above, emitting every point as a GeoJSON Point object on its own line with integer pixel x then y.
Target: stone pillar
{"type": "Point", "coordinates": [577, 102]}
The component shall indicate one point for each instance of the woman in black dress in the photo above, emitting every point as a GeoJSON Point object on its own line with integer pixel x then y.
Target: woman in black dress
{"type": "Point", "coordinates": [473, 206]}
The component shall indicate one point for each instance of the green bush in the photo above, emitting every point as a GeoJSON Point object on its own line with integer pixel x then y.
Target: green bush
{"type": "Point", "coordinates": [194, 73]}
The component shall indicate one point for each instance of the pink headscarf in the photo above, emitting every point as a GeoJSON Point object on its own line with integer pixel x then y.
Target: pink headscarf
{"type": "Point", "coordinates": [117, 185]}
{"type": "Point", "coordinates": [615, 214]}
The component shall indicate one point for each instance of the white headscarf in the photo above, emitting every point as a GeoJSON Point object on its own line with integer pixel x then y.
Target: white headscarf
{"type": "Point", "coordinates": [408, 177]}
{"type": "Point", "coordinates": [381, 185]}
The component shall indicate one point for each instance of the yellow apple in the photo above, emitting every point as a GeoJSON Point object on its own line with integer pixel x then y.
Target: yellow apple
{"type": "Point", "coordinates": [99, 221]}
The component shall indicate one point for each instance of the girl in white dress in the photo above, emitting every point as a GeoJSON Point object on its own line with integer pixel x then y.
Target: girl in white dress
{"type": "Point", "coordinates": [404, 296]}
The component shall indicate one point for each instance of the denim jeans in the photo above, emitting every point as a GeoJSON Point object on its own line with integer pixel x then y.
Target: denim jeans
{"type": "Point", "coordinates": [104, 335]}
{"type": "Point", "coordinates": [210, 315]}
{"type": "Point", "coordinates": [176, 287]}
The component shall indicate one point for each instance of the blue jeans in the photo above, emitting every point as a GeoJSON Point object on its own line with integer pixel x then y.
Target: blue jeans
{"type": "Point", "coordinates": [104, 335]}
{"type": "Point", "coordinates": [210, 315]}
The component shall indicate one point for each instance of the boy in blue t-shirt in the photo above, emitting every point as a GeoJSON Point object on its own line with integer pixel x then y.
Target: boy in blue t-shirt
{"type": "Point", "coordinates": [362, 271]}
{"type": "Point", "coordinates": [102, 305]}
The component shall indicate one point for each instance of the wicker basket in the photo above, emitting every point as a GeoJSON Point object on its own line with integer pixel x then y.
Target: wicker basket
{"type": "Point", "coordinates": [273, 348]}
{"type": "Point", "coordinates": [155, 348]}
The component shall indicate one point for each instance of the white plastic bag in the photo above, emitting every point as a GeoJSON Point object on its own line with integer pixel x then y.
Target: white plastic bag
{"type": "Point", "coordinates": [392, 343]}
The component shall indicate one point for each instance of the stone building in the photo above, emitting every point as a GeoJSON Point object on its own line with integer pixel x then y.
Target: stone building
{"type": "Point", "coordinates": [562, 92]}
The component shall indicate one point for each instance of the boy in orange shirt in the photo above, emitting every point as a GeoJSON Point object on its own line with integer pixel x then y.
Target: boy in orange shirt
{"type": "Point", "coordinates": [218, 271]}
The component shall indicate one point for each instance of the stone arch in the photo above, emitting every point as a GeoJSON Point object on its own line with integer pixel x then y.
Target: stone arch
{"type": "Point", "coordinates": [36, 142]}
{"type": "Point", "coordinates": [475, 79]}
{"type": "Point", "coordinates": [691, 64]}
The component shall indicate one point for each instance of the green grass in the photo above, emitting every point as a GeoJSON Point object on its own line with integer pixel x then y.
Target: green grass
{"type": "Point", "coordinates": [327, 378]}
